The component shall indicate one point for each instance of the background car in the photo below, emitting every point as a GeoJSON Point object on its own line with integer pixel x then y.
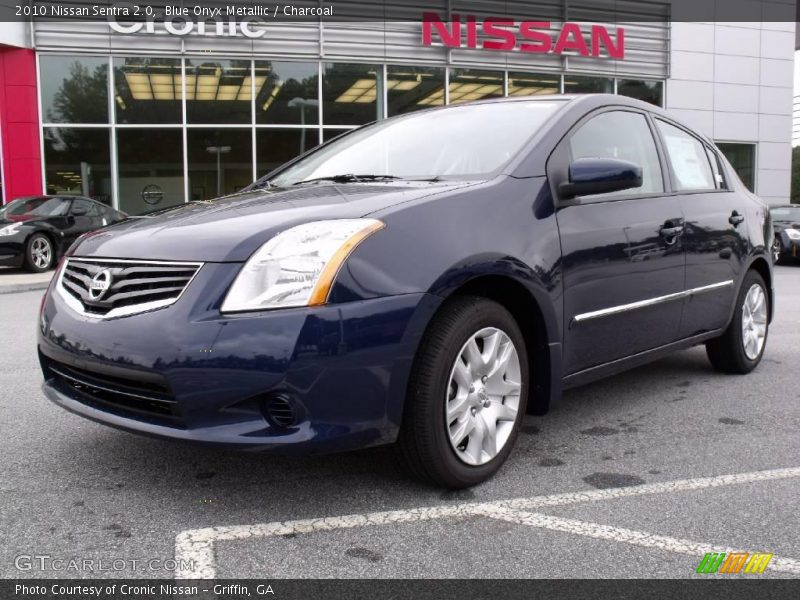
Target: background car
{"type": "Point", "coordinates": [35, 231]}
{"type": "Point", "coordinates": [786, 224]}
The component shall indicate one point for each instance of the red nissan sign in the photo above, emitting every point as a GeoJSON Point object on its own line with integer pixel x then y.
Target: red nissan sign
{"type": "Point", "coordinates": [502, 33]}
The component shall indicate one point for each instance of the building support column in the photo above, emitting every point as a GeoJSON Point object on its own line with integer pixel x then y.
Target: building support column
{"type": "Point", "coordinates": [19, 123]}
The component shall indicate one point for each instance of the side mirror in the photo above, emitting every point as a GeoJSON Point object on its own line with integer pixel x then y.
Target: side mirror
{"type": "Point", "coordinates": [589, 176]}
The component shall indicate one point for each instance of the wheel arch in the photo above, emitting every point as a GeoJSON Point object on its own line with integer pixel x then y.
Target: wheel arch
{"type": "Point", "coordinates": [536, 323]}
{"type": "Point", "coordinates": [761, 266]}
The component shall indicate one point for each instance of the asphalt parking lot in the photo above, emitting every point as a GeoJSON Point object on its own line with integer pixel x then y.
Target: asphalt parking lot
{"type": "Point", "coordinates": [634, 476]}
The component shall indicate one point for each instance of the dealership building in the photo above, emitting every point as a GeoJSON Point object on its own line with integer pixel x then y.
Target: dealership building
{"type": "Point", "coordinates": [151, 114]}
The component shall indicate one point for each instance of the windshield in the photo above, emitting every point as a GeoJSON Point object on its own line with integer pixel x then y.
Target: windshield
{"type": "Point", "coordinates": [53, 207]}
{"type": "Point", "coordinates": [785, 213]}
{"type": "Point", "coordinates": [463, 142]}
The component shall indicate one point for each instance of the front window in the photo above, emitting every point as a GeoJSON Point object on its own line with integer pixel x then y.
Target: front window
{"type": "Point", "coordinates": [624, 135]}
{"type": "Point", "coordinates": [441, 143]}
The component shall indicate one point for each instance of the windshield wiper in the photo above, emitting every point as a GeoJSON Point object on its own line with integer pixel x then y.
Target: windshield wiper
{"type": "Point", "coordinates": [349, 178]}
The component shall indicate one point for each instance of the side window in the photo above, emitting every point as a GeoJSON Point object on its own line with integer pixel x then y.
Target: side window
{"type": "Point", "coordinates": [81, 208]}
{"type": "Point", "coordinates": [716, 168]}
{"type": "Point", "coordinates": [624, 135]}
{"type": "Point", "coordinates": [688, 158]}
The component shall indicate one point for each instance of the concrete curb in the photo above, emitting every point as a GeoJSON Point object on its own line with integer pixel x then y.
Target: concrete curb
{"type": "Point", "coordinates": [16, 288]}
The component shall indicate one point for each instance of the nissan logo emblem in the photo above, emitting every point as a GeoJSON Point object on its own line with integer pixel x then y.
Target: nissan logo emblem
{"type": "Point", "coordinates": [152, 194]}
{"type": "Point", "coordinates": [100, 284]}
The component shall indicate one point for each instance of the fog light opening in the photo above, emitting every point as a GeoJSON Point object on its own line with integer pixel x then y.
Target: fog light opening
{"type": "Point", "coordinates": [279, 410]}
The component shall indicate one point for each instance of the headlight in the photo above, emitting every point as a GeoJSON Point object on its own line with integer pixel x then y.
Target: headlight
{"type": "Point", "coordinates": [10, 229]}
{"type": "Point", "coordinates": [298, 266]}
{"type": "Point", "coordinates": [793, 234]}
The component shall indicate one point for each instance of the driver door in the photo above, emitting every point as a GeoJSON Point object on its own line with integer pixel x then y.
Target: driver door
{"type": "Point", "coordinates": [622, 257]}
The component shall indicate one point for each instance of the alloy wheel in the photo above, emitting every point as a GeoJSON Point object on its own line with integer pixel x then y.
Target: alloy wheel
{"type": "Point", "coordinates": [483, 396]}
{"type": "Point", "coordinates": [754, 321]}
{"type": "Point", "coordinates": [41, 253]}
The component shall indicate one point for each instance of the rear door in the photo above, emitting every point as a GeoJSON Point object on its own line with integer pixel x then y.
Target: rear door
{"type": "Point", "coordinates": [623, 259]}
{"type": "Point", "coordinates": [715, 229]}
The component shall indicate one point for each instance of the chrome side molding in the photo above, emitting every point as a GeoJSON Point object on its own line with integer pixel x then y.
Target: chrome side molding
{"type": "Point", "coordinates": [613, 310]}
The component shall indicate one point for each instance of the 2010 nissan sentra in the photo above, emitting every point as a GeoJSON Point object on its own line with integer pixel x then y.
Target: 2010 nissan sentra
{"type": "Point", "coordinates": [425, 280]}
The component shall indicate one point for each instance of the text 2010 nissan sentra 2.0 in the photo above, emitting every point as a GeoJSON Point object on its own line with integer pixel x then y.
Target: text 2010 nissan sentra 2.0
{"type": "Point", "coordinates": [425, 280]}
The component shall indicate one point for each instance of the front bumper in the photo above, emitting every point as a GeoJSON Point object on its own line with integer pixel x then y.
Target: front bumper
{"type": "Point", "coordinates": [789, 248]}
{"type": "Point", "coordinates": [188, 372]}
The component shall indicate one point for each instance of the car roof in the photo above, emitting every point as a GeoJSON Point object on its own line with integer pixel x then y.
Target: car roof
{"type": "Point", "coordinates": [587, 102]}
{"type": "Point", "coordinates": [54, 196]}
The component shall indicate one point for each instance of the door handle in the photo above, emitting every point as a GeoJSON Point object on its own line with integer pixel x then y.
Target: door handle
{"type": "Point", "coordinates": [735, 218]}
{"type": "Point", "coordinates": [672, 229]}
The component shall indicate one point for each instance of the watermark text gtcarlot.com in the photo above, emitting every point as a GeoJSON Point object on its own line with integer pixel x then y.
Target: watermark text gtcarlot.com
{"type": "Point", "coordinates": [47, 562]}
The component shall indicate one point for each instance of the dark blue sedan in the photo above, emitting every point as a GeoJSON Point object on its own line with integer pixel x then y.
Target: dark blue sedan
{"type": "Point", "coordinates": [425, 280]}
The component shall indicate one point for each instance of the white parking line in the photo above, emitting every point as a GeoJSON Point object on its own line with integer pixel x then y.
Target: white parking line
{"type": "Point", "coordinates": [628, 536]}
{"type": "Point", "coordinates": [196, 546]}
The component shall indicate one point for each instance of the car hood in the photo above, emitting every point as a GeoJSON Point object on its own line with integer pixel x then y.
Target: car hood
{"type": "Point", "coordinates": [231, 228]}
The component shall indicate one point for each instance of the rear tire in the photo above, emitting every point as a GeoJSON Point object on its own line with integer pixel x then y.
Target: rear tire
{"type": "Point", "coordinates": [40, 254]}
{"type": "Point", "coordinates": [470, 375]}
{"type": "Point", "coordinates": [740, 348]}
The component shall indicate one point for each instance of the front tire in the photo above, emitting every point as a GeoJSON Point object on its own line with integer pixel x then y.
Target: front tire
{"type": "Point", "coordinates": [740, 348]}
{"type": "Point", "coordinates": [40, 255]}
{"type": "Point", "coordinates": [467, 394]}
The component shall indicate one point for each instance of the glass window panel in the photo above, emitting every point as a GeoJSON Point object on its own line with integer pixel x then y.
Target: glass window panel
{"type": "Point", "coordinates": [150, 169]}
{"type": "Point", "coordinates": [349, 93]}
{"type": "Point", "coordinates": [623, 135]}
{"type": "Point", "coordinates": [220, 162]}
{"type": "Point", "coordinates": [147, 90]}
{"type": "Point", "coordinates": [743, 159]}
{"type": "Point", "coordinates": [413, 88]}
{"type": "Point", "coordinates": [77, 162]}
{"type": "Point", "coordinates": [649, 91]}
{"type": "Point", "coordinates": [576, 84]}
{"type": "Point", "coordinates": [688, 158]}
{"type": "Point", "coordinates": [471, 84]}
{"type": "Point", "coordinates": [462, 150]}
{"type": "Point", "coordinates": [74, 89]}
{"type": "Point", "coordinates": [533, 84]}
{"type": "Point", "coordinates": [218, 91]}
{"type": "Point", "coordinates": [719, 178]}
{"type": "Point", "coordinates": [287, 92]}
{"type": "Point", "coordinates": [277, 146]}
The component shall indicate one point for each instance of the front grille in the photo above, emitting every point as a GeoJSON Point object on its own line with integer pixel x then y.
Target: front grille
{"type": "Point", "coordinates": [144, 397]}
{"type": "Point", "coordinates": [112, 288]}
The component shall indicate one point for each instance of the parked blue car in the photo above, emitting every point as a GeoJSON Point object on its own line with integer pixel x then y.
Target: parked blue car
{"type": "Point", "coordinates": [425, 280]}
